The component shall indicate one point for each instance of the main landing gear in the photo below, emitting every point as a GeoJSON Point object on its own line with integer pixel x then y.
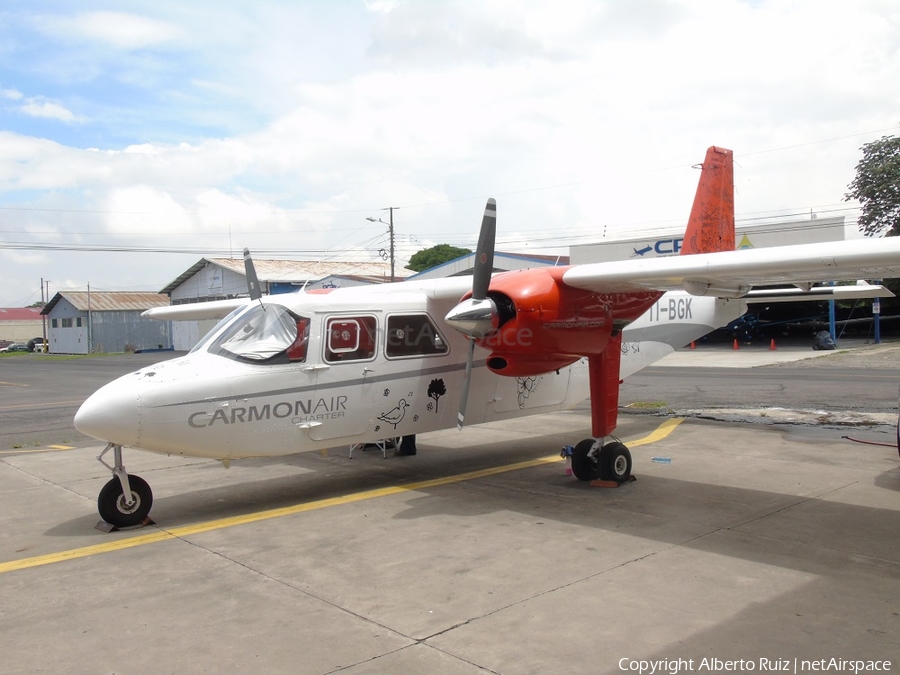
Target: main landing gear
{"type": "Point", "coordinates": [125, 500]}
{"type": "Point", "coordinates": [592, 460]}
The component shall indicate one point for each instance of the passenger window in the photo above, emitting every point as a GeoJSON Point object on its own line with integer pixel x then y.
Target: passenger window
{"type": "Point", "coordinates": [350, 339]}
{"type": "Point", "coordinates": [413, 335]}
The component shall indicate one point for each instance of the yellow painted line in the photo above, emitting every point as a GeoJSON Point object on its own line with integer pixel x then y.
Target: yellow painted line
{"type": "Point", "coordinates": [27, 451]}
{"type": "Point", "coordinates": [13, 384]}
{"type": "Point", "coordinates": [658, 434]}
{"type": "Point", "coordinates": [42, 404]}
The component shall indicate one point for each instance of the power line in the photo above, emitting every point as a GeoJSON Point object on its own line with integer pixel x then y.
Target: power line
{"type": "Point", "coordinates": [204, 251]}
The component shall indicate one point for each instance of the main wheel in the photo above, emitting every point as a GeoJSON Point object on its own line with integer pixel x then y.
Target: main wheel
{"type": "Point", "coordinates": [615, 462]}
{"type": "Point", "coordinates": [584, 465]}
{"type": "Point", "coordinates": [112, 505]}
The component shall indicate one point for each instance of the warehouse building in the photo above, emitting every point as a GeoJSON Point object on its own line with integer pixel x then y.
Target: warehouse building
{"type": "Point", "coordinates": [20, 324]}
{"type": "Point", "coordinates": [90, 322]}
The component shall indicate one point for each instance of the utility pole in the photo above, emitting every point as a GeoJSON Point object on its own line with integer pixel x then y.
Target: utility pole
{"type": "Point", "coordinates": [390, 224]}
{"type": "Point", "coordinates": [43, 316]}
{"type": "Point", "coordinates": [391, 228]}
{"type": "Point", "coordinates": [90, 345]}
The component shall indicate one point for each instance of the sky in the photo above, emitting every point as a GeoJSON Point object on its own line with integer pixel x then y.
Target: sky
{"type": "Point", "coordinates": [137, 137]}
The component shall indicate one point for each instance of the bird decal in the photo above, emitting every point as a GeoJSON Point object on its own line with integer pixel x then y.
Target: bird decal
{"type": "Point", "coordinates": [395, 415]}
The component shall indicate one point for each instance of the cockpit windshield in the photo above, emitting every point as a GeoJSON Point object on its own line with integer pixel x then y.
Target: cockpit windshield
{"type": "Point", "coordinates": [214, 333]}
{"type": "Point", "coordinates": [264, 333]}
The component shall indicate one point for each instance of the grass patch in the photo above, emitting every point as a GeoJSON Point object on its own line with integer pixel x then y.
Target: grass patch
{"type": "Point", "coordinates": [57, 357]}
{"type": "Point", "coordinates": [648, 405]}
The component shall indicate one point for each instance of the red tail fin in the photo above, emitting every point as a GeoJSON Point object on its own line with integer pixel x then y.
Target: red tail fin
{"type": "Point", "coordinates": [711, 227]}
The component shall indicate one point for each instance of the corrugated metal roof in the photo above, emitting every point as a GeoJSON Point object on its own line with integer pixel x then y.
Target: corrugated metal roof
{"type": "Point", "coordinates": [296, 271]}
{"type": "Point", "coordinates": [303, 270]}
{"type": "Point", "coordinates": [109, 301]}
{"type": "Point", "coordinates": [20, 314]}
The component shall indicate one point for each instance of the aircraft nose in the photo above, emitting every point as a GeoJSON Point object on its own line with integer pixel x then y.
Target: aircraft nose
{"type": "Point", "coordinates": [112, 413]}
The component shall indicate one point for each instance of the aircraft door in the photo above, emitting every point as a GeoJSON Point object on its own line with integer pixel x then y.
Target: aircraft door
{"type": "Point", "coordinates": [345, 378]}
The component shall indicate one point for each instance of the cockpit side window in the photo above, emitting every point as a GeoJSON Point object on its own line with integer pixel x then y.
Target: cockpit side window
{"type": "Point", "coordinates": [297, 350]}
{"type": "Point", "coordinates": [265, 334]}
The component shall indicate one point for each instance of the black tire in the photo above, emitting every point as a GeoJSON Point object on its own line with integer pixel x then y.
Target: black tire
{"type": "Point", "coordinates": [584, 466]}
{"type": "Point", "coordinates": [615, 462]}
{"type": "Point", "coordinates": [111, 502]}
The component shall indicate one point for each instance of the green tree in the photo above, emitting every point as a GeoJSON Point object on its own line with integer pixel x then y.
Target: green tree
{"type": "Point", "coordinates": [877, 187]}
{"type": "Point", "coordinates": [434, 256]}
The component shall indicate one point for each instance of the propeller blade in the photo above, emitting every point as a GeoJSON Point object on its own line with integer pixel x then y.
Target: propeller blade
{"type": "Point", "coordinates": [464, 398]}
{"type": "Point", "coordinates": [484, 252]}
{"type": "Point", "coordinates": [252, 280]}
{"type": "Point", "coordinates": [477, 316]}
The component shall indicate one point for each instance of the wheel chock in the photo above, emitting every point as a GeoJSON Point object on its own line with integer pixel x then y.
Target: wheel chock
{"type": "Point", "coordinates": [103, 526]}
{"type": "Point", "coordinates": [612, 483]}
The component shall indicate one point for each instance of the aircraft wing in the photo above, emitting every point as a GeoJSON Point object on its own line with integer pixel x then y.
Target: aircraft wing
{"type": "Point", "coordinates": [732, 274]}
{"type": "Point", "coordinates": [216, 309]}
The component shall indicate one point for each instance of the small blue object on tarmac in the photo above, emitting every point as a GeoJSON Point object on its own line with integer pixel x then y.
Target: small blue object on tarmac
{"type": "Point", "coordinates": [661, 460]}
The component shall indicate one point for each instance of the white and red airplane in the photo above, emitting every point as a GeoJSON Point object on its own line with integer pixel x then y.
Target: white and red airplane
{"type": "Point", "coordinates": [290, 373]}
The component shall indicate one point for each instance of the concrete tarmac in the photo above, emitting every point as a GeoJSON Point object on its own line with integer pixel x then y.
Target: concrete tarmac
{"type": "Point", "coordinates": [777, 546]}
{"type": "Point", "coordinates": [781, 351]}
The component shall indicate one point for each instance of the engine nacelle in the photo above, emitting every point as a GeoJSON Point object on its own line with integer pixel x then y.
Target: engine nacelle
{"type": "Point", "coordinates": [540, 324]}
{"type": "Point", "coordinates": [544, 325]}
{"type": "Point", "coordinates": [527, 365]}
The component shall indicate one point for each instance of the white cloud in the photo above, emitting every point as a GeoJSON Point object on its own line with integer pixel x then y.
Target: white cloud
{"type": "Point", "coordinates": [119, 30]}
{"type": "Point", "coordinates": [45, 109]}
{"type": "Point", "coordinates": [11, 94]}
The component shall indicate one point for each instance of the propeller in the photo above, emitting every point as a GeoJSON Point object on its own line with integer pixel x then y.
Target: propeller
{"type": "Point", "coordinates": [477, 316]}
{"type": "Point", "coordinates": [252, 279]}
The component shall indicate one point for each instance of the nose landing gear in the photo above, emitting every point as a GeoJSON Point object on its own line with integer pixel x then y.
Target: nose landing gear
{"type": "Point", "coordinates": [125, 500]}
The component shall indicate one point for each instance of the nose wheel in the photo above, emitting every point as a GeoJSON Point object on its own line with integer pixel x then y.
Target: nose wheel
{"type": "Point", "coordinates": [592, 460]}
{"type": "Point", "coordinates": [125, 500]}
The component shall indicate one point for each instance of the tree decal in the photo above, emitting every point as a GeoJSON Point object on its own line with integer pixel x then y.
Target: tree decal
{"type": "Point", "coordinates": [436, 389]}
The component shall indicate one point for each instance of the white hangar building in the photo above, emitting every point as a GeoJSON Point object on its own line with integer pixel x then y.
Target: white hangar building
{"type": "Point", "coordinates": [807, 231]}
{"type": "Point", "coordinates": [503, 262]}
